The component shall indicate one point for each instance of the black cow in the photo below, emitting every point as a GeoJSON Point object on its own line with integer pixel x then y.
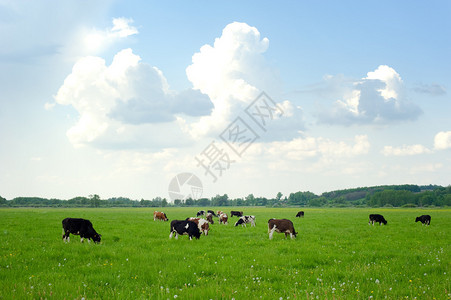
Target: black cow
{"type": "Point", "coordinates": [211, 212]}
{"type": "Point", "coordinates": [424, 219]}
{"type": "Point", "coordinates": [300, 214]}
{"type": "Point", "coordinates": [81, 227]}
{"type": "Point", "coordinates": [184, 227]}
{"type": "Point", "coordinates": [376, 218]}
{"type": "Point", "coordinates": [200, 213]}
{"type": "Point", "coordinates": [236, 213]}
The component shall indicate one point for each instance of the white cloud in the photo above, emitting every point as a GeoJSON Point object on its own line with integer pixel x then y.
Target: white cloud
{"type": "Point", "coordinates": [122, 28]}
{"type": "Point", "coordinates": [232, 73]}
{"type": "Point", "coordinates": [112, 100]}
{"type": "Point", "coordinates": [96, 40]}
{"type": "Point", "coordinates": [442, 140]}
{"type": "Point", "coordinates": [308, 147]}
{"type": "Point", "coordinates": [377, 98]}
{"type": "Point", "coordinates": [405, 150]}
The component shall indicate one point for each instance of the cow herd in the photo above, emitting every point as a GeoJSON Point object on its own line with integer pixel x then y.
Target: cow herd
{"type": "Point", "coordinates": [196, 226]}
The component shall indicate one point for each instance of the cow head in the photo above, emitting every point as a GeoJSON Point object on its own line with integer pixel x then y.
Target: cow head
{"type": "Point", "coordinates": [96, 238]}
{"type": "Point", "coordinates": [165, 217]}
{"type": "Point", "coordinates": [417, 219]}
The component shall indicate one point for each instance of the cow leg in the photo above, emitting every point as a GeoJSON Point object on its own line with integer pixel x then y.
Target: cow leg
{"type": "Point", "coordinates": [170, 235]}
{"type": "Point", "coordinates": [176, 235]}
{"type": "Point", "coordinates": [271, 232]}
{"type": "Point", "coordinates": [81, 240]}
{"type": "Point", "coordinates": [291, 235]}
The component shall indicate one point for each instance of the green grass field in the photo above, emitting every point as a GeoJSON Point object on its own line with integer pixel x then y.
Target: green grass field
{"type": "Point", "coordinates": [336, 255]}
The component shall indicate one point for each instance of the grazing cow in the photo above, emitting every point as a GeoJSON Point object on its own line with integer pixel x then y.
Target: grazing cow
{"type": "Point", "coordinates": [281, 226]}
{"type": "Point", "coordinates": [210, 218]}
{"type": "Point", "coordinates": [80, 227]}
{"type": "Point", "coordinates": [184, 227]}
{"type": "Point", "coordinates": [223, 219]}
{"type": "Point", "coordinates": [212, 212]}
{"type": "Point", "coordinates": [246, 220]}
{"type": "Point", "coordinates": [159, 215]}
{"type": "Point", "coordinates": [200, 213]}
{"type": "Point", "coordinates": [376, 218]}
{"type": "Point", "coordinates": [424, 219]}
{"type": "Point", "coordinates": [203, 225]}
{"type": "Point", "coordinates": [236, 213]}
{"type": "Point", "coordinates": [300, 214]}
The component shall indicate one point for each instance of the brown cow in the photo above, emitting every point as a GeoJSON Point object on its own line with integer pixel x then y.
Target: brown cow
{"type": "Point", "coordinates": [210, 218]}
{"type": "Point", "coordinates": [223, 219]}
{"type": "Point", "coordinates": [203, 225]}
{"type": "Point", "coordinates": [281, 226]}
{"type": "Point", "coordinates": [159, 215]}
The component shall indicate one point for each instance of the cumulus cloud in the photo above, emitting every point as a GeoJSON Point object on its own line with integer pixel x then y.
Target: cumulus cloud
{"type": "Point", "coordinates": [442, 140]}
{"type": "Point", "coordinates": [128, 92]}
{"type": "Point", "coordinates": [232, 72]}
{"type": "Point", "coordinates": [405, 150]}
{"type": "Point", "coordinates": [377, 98]}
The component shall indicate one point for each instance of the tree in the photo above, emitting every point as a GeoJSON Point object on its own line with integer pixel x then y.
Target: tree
{"type": "Point", "coordinates": [220, 200]}
{"type": "Point", "coordinates": [2, 201]}
{"type": "Point", "coordinates": [95, 200]}
{"type": "Point", "coordinates": [164, 202]}
{"type": "Point", "coordinates": [250, 200]}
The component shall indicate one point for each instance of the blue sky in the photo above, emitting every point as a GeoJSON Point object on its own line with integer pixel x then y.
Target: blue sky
{"type": "Point", "coordinates": [118, 97]}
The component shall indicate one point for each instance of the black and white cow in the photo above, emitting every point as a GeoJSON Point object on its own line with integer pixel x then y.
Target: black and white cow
{"type": "Point", "coordinates": [81, 227]}
{"type": "Point", "coordinates": [376, 218]}
{"type": "Point", "coordinates": [184, 227]}
{"type": "Point", "coordinates": [236, 213]}
{"type": "Point", "coordinates": [424, 219]}
{"type": "Point", "coordinates": [281, 226]}
{"type": "Point", "coordinates": [200, 213]}
{"type": "Point", "coordinates": [246, 220]}
{"type": "Point", "coordinates": [300, 214]}
{"type": "Point", "coordinates": [212, 212]}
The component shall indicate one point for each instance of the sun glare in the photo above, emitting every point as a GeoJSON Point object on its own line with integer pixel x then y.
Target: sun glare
{"type": "Point", "coordinates": [93, 41]}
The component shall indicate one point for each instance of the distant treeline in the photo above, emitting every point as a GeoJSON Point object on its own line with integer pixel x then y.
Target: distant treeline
{"type": "Point", "coordinates": [376, 196]}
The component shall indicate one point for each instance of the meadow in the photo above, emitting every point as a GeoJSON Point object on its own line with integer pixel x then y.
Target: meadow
{"type": "Point", "coordinates": [336, 255]}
